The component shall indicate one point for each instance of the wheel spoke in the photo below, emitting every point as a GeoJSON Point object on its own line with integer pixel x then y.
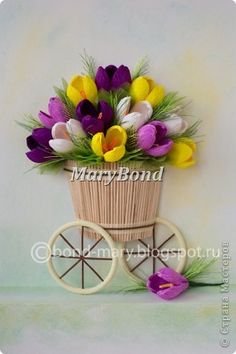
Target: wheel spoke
{"type": "Point", "coordinates": [171, 251]}
{"type": "Point", "coordinates": [141, 262]}
{"type": "Point", "coordinates": [68, 270]}
{"type": "Point", "coordinates": [79, 258]}
{"type": "Point", "coordinates": [169, 238]}
{"type": "Point", "coordinates": [158, 249]}
{"type": "Point", "coordinates": [69, 244]}
{"type": "Point", "coordinates": [82, 241]}
{"type": "Point", "coordinates": [94, 245]}
{"type": "Point", "coordinates": [93, 270]}
{"type": "Point", "coordinates": [99, 258]}
{"type": "Point", "coordinates": [66, 257]}
{"type": "Point", "coordinates": [137, 253]}
{"type": "Point", "coordinates": [154, 246]}
{"type": "Point", "coordinates": [144, 243]}
{"type": "Point", "coordinates": [82, 274]}
{"type": "Point", "coordinates": [161, 260]}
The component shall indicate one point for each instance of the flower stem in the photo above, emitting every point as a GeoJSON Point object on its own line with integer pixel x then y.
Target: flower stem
{"type": "Point", "coordinates": [194, 284]}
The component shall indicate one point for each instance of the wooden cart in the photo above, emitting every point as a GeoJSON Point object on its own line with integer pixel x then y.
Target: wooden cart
{"type": "Point", "coordinates": [115, 223]}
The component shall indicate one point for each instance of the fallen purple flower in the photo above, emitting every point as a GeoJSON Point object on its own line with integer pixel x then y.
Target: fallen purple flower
{"type": "Point", "coordinates": [167, 283]}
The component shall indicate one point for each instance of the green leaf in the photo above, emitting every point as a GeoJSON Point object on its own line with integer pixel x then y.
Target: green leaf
{"type": "Point", "coordinates": [196, 284]}
{"type": "Point", "coordinates": [51, 166]}
{"type": "Point", "coordinates": [113, 98]}
{"type": "Point", "coordinates": [82, 152]}
{"type": "Point", "coordinates": [64, 84]}
{"type": "Point", "coordinates": [137, 287]}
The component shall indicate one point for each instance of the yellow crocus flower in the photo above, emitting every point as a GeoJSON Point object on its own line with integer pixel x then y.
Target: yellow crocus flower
{"type": "Point", "coordinates": [112, 146]}
{"type": "Point", "coordinates": [143, 88]}
{"type": "Point", "coordinates": [80, 88]}
{"type": "Point", "coordinates": [181, 154]}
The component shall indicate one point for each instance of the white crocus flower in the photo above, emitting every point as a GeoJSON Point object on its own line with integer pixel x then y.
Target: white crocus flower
{"type": "Point", "coordinates": [175, 125]}
{"type": "Point", "coordinates": [74, 127]}
{"type": "Point", "coordinates": [62, 132]}
{"type": "Point", "coordinates": [123, 107]}
{"type": "Point", "coordinates": [140, 113]}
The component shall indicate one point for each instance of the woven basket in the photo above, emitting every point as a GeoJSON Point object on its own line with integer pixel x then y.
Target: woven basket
{"type": "Point", "coordinates": [126, 209]}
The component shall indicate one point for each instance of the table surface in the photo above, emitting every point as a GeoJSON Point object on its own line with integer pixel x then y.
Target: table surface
{"type": "Point", "coordinates": [51, 320]}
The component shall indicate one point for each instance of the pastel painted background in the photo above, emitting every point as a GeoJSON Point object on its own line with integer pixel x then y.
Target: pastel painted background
{"type": "Point", "coordinates": [191, 46]}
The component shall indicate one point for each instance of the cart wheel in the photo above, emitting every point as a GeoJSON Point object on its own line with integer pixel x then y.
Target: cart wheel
{"type": "Point", "coordinates": [79, 264]}
{"type": "Point", "coordinates": [165, 247]}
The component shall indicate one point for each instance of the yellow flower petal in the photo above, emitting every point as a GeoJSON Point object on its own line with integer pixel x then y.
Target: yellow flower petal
{"type": "Point", "coordinates": [90, 89]}
{"type": "Point", "coordinates": [115, 154]}
{"type": "Point", "coordinates": [180, 153]}
{"type": "Point", "coordinates": [156, 95]}
{"type": "Point", "coordinates": [187, 164]}
{"type": "Point", "coordinates": [189, 142]}
{"type": "Point", "coordinates": [116, 135]}
{"type": "Point", "coordinates": [139, 89]}
{"type": "Point", "coordinates": [97, 143]}
{"type": "Point", "coordinates": [74, 90]}
{"type": "Point", "coordinates": [151, 82]}
{"type": "Point", "coordinates": [80, 88]}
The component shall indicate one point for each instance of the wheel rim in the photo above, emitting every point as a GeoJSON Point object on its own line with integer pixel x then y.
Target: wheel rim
{"type": "Point", "coordinates": [81, 259]}
{"type": "Point", "coordinates": [148, 252]}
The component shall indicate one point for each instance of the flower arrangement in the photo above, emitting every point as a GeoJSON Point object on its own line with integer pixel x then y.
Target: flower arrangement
{"type": "Point", "coordinates": [108, 115]}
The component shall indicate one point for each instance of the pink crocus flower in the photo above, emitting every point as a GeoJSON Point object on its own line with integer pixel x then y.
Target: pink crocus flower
{"type": "Point", "coordinates": [57, 113]}
{"type": "Point", "coordinates": [152, 139]}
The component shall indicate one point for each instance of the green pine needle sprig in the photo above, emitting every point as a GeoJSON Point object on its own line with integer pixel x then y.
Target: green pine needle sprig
{"type": "Point", "coordinates": [172, 103]}
{"type": "Point", "coordinates": [113, 98]}
{"type": "Point", "coordinates": [137, 287]}
{"type": "Point", "coordinates": [140, 157]}
{"type": "Point", "coordinates": [52, 166]}
{"type": "Point", "coordinates": [82, 152]}
{"type": "Point", "coordinates": [61, 93]}
{"type": "Point", "coordinates": [141, 68]}
{"type": "Point", "coordinates": [89, 65]}
{"type": "Point", "coordinates": [30, 122]}
{"type": "Point", "coordinates": [191, 133]}
{"type": "Point", "coordinates": [197, 267]}
{"type": "Point", "coordinates": [131, 143]}
{"type": "Point", "coordinates": [193, 129]}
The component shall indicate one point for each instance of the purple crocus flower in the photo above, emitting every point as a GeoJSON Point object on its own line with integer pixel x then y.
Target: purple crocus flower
{"type": "Point", "coordinates": [94, 119]}
{"type": "Point", "coordinates": [152, 139]}
{"type": "Point", "coordinates": [167, 283]}
{"type": "Point", "coordinates": [38, 143]}
{"type": "Point", "coordinates": [111, 77]}
{"type": "Point", "coordinates": [57, 113]}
